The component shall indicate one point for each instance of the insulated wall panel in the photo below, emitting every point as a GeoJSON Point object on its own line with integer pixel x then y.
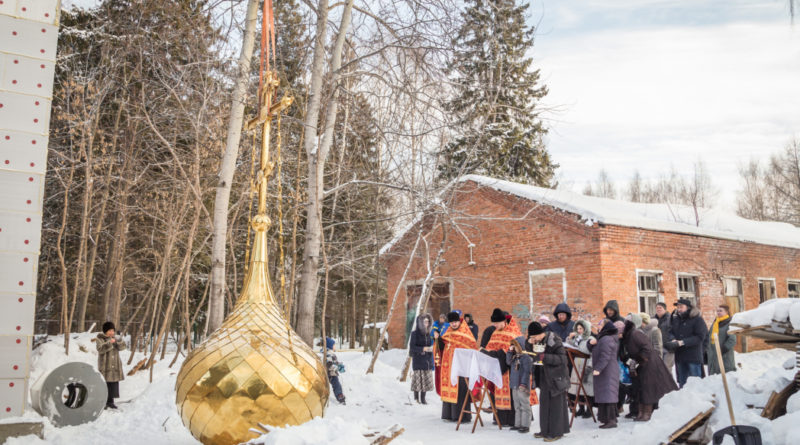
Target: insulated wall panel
{"type": "Point", "coordinates": [28, 40]}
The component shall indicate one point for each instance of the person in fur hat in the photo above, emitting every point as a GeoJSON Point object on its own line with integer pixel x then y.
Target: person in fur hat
{"type": "Point", "coordinates": [421, 351]}
{"type": "Point", "coordinates": [689, 332]}
{"type": "Point", "coordinates": [553, 384]}
{"type": "Point", "coordinates": [108, 362]}
{"type": "Point", "coordinates": [457, 335]}
{"type": "Point", "coordinates": [506, 330]}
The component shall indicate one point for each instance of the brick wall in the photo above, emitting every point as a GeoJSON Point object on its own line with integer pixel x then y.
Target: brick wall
{"type": "Point", "coordinates": [514, 237]}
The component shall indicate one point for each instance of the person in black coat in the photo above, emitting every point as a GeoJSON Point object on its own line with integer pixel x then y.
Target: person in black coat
{"type": "Point", "coordinates": [487, 335]}
{"type": "Point", "coordinates": [553, 383]}
{"type": "Point", "coordinates": [654, 380]}
{"type": "Point", "coordinates": [665, 325]}
{"type": "Point", "coordinates": [420, 349]}
{"type": "Point", "coordinates": [689, 332]}
{"type": "Point", "coordinates": [473, 327]}
{"type": "Point", "coordinates": [563, 324]}
{"type": "Point", "coordinates": [611, 311]}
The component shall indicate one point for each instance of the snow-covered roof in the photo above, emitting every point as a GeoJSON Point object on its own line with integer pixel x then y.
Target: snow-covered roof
{"type": "Point", "coordinates": [713, 223]}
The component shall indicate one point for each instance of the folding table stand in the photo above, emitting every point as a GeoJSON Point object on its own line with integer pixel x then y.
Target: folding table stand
{"type": "Point", "coordinates": [573, 354]}
{"type": "Point", "coordinates": [484, 393]}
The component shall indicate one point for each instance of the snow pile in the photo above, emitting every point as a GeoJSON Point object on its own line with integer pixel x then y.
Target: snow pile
{"type": "Point", "coordinates": [777, 309]}
{"type": "Point", "coordinates": [330, 430]}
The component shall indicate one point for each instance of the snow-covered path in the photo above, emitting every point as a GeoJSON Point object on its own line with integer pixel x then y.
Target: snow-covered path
{"type": "Point", "coordinates": [379, 400]}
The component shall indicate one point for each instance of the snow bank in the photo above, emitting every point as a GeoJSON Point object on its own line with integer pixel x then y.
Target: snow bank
{"type": "Point", "coordinates": [777, 309]}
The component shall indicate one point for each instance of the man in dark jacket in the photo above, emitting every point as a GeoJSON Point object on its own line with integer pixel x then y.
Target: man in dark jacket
{"type": "Point", "coordinates": [664, 325]}
{"type": "Point", "coordinates": [473, 327]}
{"type": "Point", "coordinates": [689, 332]}
{"type": "Point", "coordinates": [563, 324]}
{"type": "Point", "coordinates": [611, 310]}
{"type": "Point", "coordinates": [553, 383]}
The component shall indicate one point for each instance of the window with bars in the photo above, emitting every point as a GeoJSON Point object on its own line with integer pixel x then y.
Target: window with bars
{"type": "Point", "coordinates": [766, 290]}
{"type": "Point", "coordinates": [793, 288]}
{"type": "Point", "coordinates": [648, 291]}
{"type": "Point", "coordinates": [687, 288]}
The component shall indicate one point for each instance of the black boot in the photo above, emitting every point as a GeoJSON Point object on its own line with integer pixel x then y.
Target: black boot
{"type": "Point", "coordinates": [422, 398]}
{"type": "Point", "coordinates": [416, 396]}
{"type": "Point", "coordinates": [581, 410]}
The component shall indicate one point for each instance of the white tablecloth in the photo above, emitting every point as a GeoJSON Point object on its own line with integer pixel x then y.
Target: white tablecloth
{"type": "Point", "coordinates": [473, 365]}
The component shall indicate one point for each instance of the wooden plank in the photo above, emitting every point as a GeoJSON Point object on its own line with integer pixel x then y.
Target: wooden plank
{"type": "Point", "coordinates": [691, 424]}
{"type": "Point", "coordinates": [776, 405]}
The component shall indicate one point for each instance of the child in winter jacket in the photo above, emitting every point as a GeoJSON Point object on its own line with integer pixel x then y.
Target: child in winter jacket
{"type": "Point", "coordinates": [108, 362]}
{"type": "Point", "coordinates": [520, 365]}
{"type": "Point", "coordinates": [334, 368]}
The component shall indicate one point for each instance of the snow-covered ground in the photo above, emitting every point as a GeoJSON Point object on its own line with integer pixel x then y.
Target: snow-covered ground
{"type": "Point", "coordinates": [377, 401]}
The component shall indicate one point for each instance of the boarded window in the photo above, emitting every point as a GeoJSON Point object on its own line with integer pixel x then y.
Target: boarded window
{"type": "Point", "coordinates": [794, 289]}
{"type": "Point", "coordinates": [733, 294]}
{"type": "Point", "coordinates": [766, 290]}
{"type": "Point", "coordinates": [687, 288]}
{"type": "Point", "coordinates": [648, 291]}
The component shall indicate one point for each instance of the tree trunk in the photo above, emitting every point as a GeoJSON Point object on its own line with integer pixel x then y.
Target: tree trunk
{"type": "Point", "coordinates": [317, 155]}
{"type": "Point", "coordinates": [227, 167]}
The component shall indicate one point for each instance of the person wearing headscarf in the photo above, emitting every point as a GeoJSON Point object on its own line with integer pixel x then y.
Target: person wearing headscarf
{"type": "Point", "coordinates": [605, 374]}
{"type": "Point", "coordinates": [579, 339]}
{"type": "Point", "coordinates": [726, 342]}
{"type": "Point", "coordinates": [457, 335]}
{"type": "Point", "coordinates": [553, 384]}
{"type": "Point", "coordinates": [651, 330]}
{"type": "Point", "coordinates": [647, 367]}
{"type": "Point", "coordinates": [420, 348]}
{"type": "Point", "coordinates": [108, 361]}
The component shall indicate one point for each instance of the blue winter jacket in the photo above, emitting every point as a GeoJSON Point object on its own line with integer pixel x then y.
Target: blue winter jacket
{"type": "Point", "coordinates": [520, 366]}
{"type": "Point", "coordinates": [440, 328]}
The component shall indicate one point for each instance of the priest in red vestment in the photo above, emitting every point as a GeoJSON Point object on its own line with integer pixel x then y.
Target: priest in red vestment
{"type": "Point", "coordinates": [458, 335]}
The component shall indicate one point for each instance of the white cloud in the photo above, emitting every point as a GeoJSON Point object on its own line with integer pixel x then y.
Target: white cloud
{"type": "Point", "coordinates": [645, 98]}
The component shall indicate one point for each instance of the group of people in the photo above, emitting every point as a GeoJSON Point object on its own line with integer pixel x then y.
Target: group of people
{"type": "Point", "coordinates": [624, 360]}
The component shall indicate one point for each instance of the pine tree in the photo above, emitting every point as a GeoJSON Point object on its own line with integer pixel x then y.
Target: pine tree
{"type": "Point", "coordinates": [497, 93]}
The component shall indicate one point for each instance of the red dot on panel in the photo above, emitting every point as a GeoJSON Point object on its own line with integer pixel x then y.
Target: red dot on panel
{"type": "Point", "coordinates": [18, 342]}
{"type": "Point", "coordinates": [28, 201]}
{"type": "Point", "coordinates": [8, 137]}
{"type": "Point", "coordinates": [7, 162]}
{"type": "Point", "coordinates": [14, 81]}
{"type": "Point", "coordinates": [47, 14]}
{"type": "Point", "coordinates": [35, 121]}
{"type": "Point", "coordinates": [27, 220]}
{"type": "Point", "coordinates": [42, 66]}
{"type": "Point", "coordinates": [16, 61]}
{"type": "Point", "coordinates": [24, 9]}
{"type": "Point", "coordinates": [19, 328]}
{"type": "Point", "coordinates": [32, 164]}
{"type": "Point", "coordinates": [33, 141]}
{"type": "Point", "coordinates": [37, 102]}
{"type": "Point", "coordinates": [30, 179]}
{"type": "Point", "coordinates": [16, 367]}
{"type": "Point", "coordinates": [21, 283]}
{"type": "Point", "coordinates": [24, 260]}
{"type": "Point", "coordinates": [41, 50]}
{"type": "Point", "coordinates": [38, 85]}
{"type": "Point", "coordinates": [44, 30]}
{"type": "Point", "coordinates": [13, 33]}
{"type": "Point", "coordinates": [20, 299]}
{"type": "Point", "coordinates": [11, 384]}
{"type": "Point", "coordinates": [8, 409]}
{"type": "Point", "coordinates": [27, 241]}
{"type": "Point", "coordinates": [1, 105]}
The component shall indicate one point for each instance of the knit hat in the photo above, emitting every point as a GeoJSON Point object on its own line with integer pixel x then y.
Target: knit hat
{"type": "Point", "coordinates": [498, 315]}
{"type": "Point", "coordinates": [534, 328]}
{"type": "Point", "coordinates": [645, 318]}
{"type": "Point", "coordinates": [107, 326]}
{"type": "Point", "coordinates": [453, 316]}
{"type": "Point", "coordinates": [620, 325]}
{"type": "Point", "coordinates": [544, 319]}
{"type": "Point", "coordinates": [636, 319]}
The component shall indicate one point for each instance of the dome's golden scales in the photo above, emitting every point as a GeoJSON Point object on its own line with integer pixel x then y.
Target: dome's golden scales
{"type": "Point", "coordinates": [254, 368]}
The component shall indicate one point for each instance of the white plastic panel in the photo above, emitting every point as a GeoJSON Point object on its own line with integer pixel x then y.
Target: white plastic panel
{"type": "Point", "coordinates": [27, 38]}
{"type": "Point", "coordinates": [14, 356]}
{"type": "Point", "coordinates": [38, 10]}
{"type": "Point", "coordinates": [26, 75]}
{"type": "Point", "coordinates": [16, 315]}
{"type": "Point", "coordinates": [12, 392]}
{"type": "Point", "coordinates": [17, 273]}
{"type": "Point", "coordinates": [21, 112]}
{"type": "Point", "coordinates": [25, 152]}
{"type": "Point", "coordinates": [8, 7]}
{"type": "Point", "coordinates": [27, 192]}
{"type": "Point", "coordinates": [20, 232]}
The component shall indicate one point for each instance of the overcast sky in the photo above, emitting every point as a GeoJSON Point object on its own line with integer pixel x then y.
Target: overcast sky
{"type": "Point", "coordinates": [642, 84]}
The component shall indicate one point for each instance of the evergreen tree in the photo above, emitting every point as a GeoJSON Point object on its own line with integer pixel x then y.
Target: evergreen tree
{"type": "Point", "coordinates": [497, 92]}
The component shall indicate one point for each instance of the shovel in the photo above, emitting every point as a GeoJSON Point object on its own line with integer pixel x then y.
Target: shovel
{"type": "Point", "coordinates": [742, 434]}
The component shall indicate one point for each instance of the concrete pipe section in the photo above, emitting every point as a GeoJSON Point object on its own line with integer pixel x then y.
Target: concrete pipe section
{"type": "Point", "coordinates": [72, 394]}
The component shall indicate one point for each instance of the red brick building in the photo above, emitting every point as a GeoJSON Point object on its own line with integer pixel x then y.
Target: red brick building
{"type": "Point", "coordinates": [525, 249]}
